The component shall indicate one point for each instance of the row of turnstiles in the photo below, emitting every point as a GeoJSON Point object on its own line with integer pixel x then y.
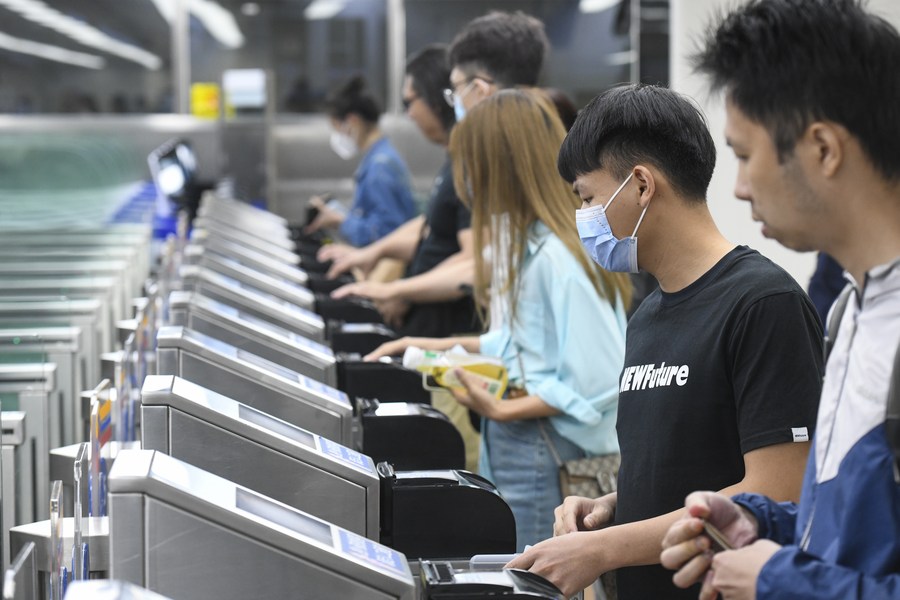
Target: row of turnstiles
{"type": "Point", "coordinates": [272, 461]}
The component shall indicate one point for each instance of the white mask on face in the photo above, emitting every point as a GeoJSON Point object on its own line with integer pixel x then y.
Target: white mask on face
{"type": "Point", "coordinates": [343, 145]}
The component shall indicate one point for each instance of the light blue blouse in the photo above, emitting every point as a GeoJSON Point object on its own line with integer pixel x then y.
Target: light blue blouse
{"type": "Point", "coordinates": [569, 342]}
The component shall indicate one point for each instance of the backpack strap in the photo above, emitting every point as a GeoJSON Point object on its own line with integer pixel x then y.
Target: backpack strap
{"type": "Point", "coordinates": [834, 318]}
{"type": "Point", "coordinates": [892, 416]}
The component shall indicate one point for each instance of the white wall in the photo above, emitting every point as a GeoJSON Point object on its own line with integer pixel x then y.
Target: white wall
{"type": "Point", "coordinates": [689, 18]}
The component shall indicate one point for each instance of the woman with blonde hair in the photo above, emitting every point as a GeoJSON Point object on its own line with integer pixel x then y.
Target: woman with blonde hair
{"type": "Point", "coordinates": [562, 334]}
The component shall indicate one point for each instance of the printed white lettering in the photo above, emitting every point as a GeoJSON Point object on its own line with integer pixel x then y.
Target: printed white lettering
{"type": "Point", "coordinates": [626, 379]}
{"type": "Point", "coordinates": [639, 373]}
{"type": "Point", "coordinates": [670, 374]}
{"type": "Point", "coordinates": [641, 377]}
{"type": "Point", "coordinates": [648, 375]}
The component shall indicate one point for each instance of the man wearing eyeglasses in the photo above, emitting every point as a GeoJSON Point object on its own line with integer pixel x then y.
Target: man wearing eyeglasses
{"type": "Point", "coordinates": [496, 51]}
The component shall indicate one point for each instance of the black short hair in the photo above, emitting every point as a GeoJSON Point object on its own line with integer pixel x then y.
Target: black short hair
{"type": "Point", "coordinates": [787, 63]}
{"type": "Point", "coordinates": [430, 76]}
{"type": "Point", "coordinates": [509, 47]}
{"type": "Point", "coordinates": [634, 124]}
{"type": "Point", "coordinates": [353, 97]}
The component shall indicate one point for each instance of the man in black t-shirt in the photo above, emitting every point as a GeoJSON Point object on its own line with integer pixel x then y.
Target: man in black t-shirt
{"type": "Point", "coordinates": [723, 363]}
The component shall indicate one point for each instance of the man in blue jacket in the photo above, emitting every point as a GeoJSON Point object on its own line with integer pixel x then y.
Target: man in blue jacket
{"type": "Point", "coordinates": [812, 89]}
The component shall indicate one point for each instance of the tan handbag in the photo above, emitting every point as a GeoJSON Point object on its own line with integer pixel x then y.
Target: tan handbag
{"type": "Point", "coordinates": [590, 477]}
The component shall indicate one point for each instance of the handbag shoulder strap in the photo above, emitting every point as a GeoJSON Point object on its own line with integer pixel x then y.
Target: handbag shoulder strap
{"type": "Point", "coordinates": [550, 444]}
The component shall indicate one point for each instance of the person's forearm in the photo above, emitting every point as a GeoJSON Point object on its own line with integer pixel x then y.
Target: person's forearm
{"type": "Point", "coordinates": [471, 343]}
{"type": "Point", "coordinates": [402, 242]}
{"type": "Point", "coordinates": [633, 544]}
{"type": "Point", "coordinates": [437, 285]}
{"type": "Point", "coordinates": [526, 407]}
{"type": "Point", "coordinates": [638, 543]}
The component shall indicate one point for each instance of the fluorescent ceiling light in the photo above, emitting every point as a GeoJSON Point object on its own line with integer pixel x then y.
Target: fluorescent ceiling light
{"type": "Point", "coordinates": [625, 57]}
{"type": "Point", "coordinates": [323, 9]}
{"type": "Point", "coordinates": [38, 12]}
{"type": "Point", "coordinates": [592, 6]}
{"type": "Point", "coordinates": [14, 44]}
{"type": "Point", "coordinates": [217, 20]}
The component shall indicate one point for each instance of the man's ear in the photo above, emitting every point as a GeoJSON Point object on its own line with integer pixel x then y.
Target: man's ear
{"type": "Point", "coordinates": [646, 183]}
{"type": "Point", "coordinates": [823, 143]}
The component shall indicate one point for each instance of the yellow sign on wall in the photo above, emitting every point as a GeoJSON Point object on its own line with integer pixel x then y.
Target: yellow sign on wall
{"type": "Point", "coordinates": [205, 100]}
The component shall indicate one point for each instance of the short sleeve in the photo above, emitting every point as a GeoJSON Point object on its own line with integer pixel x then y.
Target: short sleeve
{"type": "Point", "coordinates": [777, 369]}
{"type": "Point", "coordinates": [463, 215]}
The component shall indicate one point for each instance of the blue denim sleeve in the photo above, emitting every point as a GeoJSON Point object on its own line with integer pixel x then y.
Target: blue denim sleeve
{"type": "Point", "coordinates": [383, 202]}
{"type": "Point", "coordinates": [777, 520]}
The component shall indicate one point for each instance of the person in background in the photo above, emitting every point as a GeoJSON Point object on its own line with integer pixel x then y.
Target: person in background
{"type": "Point", "coordinates": [562, 340]}
{"type": "Point", "coordinates": [382, 199]}
{"type": "Point", "coordinates": [811, 89]}
{"type": "Point", "coordinates": [723, 363]}
{"type": "Point", "coordinates": [496, 51]}
{"type": "Point", "coordinates": [825, 284]}
{"type": "Point", "coordinates": [439, 238]}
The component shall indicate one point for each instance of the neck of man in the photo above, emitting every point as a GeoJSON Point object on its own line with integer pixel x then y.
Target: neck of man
{"type": "Point", "coordinates": [866, 228]}
{"type": "Point", "coordinates": [682, 251]}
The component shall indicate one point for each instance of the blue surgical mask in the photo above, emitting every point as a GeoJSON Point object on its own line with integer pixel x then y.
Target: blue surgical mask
{"type": "Point", "coordinates": [459, 108]}
{"type": "Point", "coordinates": [598, 240]}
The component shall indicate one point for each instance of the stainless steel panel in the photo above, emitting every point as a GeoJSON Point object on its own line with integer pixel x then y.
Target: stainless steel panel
{"type": "Point", "coordinates": [217, 563]}
{"type": "Point", "coordinates": [259, 337]}
{"type": "Point", "coordinates": [127, 537]}
{"type": "Point", "coordinates": [260, 280]}
{"type": "Point", "coordinates": [20, 582]}
{"type": "Point", "coordinates": [317, 419]}
{"type": "Point", "coordinates": [36, 388]}
{"type": "Point", "coordinates": [95, 532]}
{"type": "Point", "coordinates": [205, 537]}
{"type": "Point", "coordinates": [268, 387]}
{"type": "Point", "coordinates": [285, 255]}
{"type": "Point", "coordinates": [155, 428]}
{"type": "Point", "coordinates": [83, 313]}
{"type": "Point", "coordinates": [275, 310]}
{"type": "Point", "coordinates": [194, 253]}
{"type": "Point", "coordinates": [60, 346]}
{"type": "Point", "coordinates": [273, 474]}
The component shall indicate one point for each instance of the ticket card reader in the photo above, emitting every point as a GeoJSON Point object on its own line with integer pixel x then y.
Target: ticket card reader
{"type": "Point", "coordinates": [326, 479]}
{"type": "Point", "coordinates": [182, 532]}
{"type": "Point", "coordinates": [285, 255]}
{"type": "Point", "coordinates": [387, 381]}
{"type": "Point", "coordinates": [252, 301]}
{"type": "Point", "coordinates": [282, 461]}
{"type": "Point", "coordinates": [409, 522]}
{"type": "Point", "coordinates": [262, 384]}
{"type": "Point", "coordinates": [409, 435]}
{"type": "Point", "coordinates": [441, 580]}
{"type": "Point", "coordinates": [239, 328]}
{"type": "Point", "coordinates": [346, 309]}
{"type": "Point", "coordinates": [195, 254]}
{"type": "Point", "coordinates": [247, 256]}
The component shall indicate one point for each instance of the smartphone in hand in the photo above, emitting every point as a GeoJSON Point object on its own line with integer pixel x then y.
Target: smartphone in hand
{"type": "Point", "coordinates": [719, 541]}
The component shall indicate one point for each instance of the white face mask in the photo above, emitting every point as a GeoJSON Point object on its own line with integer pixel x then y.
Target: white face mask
{"type": "Point", "coordinates": [343, 145]}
